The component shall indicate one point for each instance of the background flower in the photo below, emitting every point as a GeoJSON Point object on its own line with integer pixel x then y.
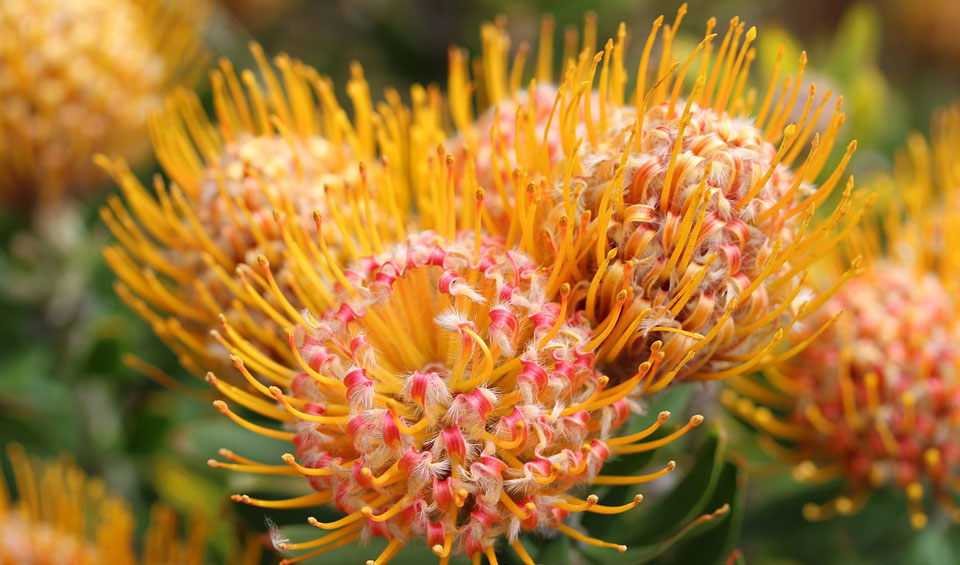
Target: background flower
{"type": "Point", "coordinates": [57, 514]}
{"type": "Point", "coordinates": [80, 77]}
{"type": "Point", "coordinates": [874, 401]}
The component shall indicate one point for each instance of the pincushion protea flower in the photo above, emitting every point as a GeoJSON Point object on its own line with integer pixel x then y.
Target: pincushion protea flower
{"type": "Point", "coordinates": [239, 189]}
{"type": "Point", "coordinates": [876, 399]}
{"type": "Point", "coordinates": [675, 215]}
{"type": "Point", "coordinates": [78, 77]}
{"type": "Point", "coordinates": [443, 399]}
{"type": "Point", "coordinates": [60, 515]}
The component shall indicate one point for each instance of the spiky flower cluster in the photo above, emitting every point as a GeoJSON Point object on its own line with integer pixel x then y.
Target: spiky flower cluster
{"type": "Point", "coordinates": [61, 516]}
{"type": "Point", "coordinates": [82, 76]}
{"type": "Point", "coordinates": [875, 400]}
{"type": "Point", "coordinates": [709, 238]}
{"type": "Point", "coordinates": [239, 190]}
{"type": "Point", "coordinates": [675, 218]}
{"type": "Point", "coordinates": [445, 399]}
{"type": "Point", "coordinates": [450, 388]}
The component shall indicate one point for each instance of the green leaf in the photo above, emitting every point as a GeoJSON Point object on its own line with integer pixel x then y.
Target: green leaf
{"type": "Point", "coordinates": [185, 490]}
{"type": "Point", "coordinates": [879, 533]}
{"type": "Point", "coordinates": [556, 551]}
{"type": "Point", "coordinates": [202, 438]}
{"type": "Point", "coordinates": [931, 546]}
{"type": "Point", "coordinates": [644, 554]}
{"type": "Point", "coordinates": [676, 399]}
{"type": "Point", "coordinates": [715, 546]}
{"type": "Point", "coordinates": [856, 43]}
{"type": "Point", "coordinates": [599, 524]}
{"type": "Point", "coordinates": [28, 398]}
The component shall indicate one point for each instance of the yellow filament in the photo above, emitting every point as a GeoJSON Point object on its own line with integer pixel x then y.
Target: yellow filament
{"type": "Point", "coordinates": [633, 480]}
{"type": "Point", "coordinates": [313, 499]}
{"type": "Point", "coordinates": [590, 505]}
{"type": "Point", "coordinates": [694, 421]}
{"type": "Point", "coordinates": [391, 551]}
{"type": "Point", "coordinates": [248, 400]}
{"type": "Point", "coordinates": [589, 540]}
{"type": "Point", "coordinates": [323, 540]}
{"type": "Point", "coordinates": [574, 408]}
{"type": "Point", "coordinates": [522, 553]}
{"type": "Point", "coordinates": [306, 471]}
{"type": "Point", "coordinates": [610, 322]}
{"type": "Point", "coordinates": [271, 433]}
{"type": "Point", "coordinates": [346, 520]}
{"type": "Point", "coordinates": [328, 420]}
{"type": "Point", "coordinates": [395, 509]}
{"type": "Point", "coordinates": [665, 195]}
{"type": "Point", "coordinates": [254, 469]}
{"type": "Point", "coordinates": [683, 73]}
{"type": "Point", "coordinates": [345, 541]}
{"type": "Point", "coordinates": [623, 440]}
{"type": "Point", "coordinates": [516, 510]}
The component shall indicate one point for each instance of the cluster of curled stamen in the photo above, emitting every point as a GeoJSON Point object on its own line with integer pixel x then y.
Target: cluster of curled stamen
{"type": "Point", "coordinates": [445, 399]}
{"type": "Point", "coordinates": [676, 216]}
{"type": "Point", "coordinates": [875, 399]}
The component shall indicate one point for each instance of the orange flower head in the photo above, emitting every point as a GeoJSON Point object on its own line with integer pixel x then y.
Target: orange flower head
{"type": "Point", "coordinates": [444, 399]}
{"type": "Point", "coordinates": [676, 195]}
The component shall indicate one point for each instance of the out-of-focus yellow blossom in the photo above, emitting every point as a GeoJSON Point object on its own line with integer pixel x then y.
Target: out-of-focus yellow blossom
{"type": "Point", "coordinates": [57, 515]}
{"type": "Point", "coordinates": [82, 76]}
